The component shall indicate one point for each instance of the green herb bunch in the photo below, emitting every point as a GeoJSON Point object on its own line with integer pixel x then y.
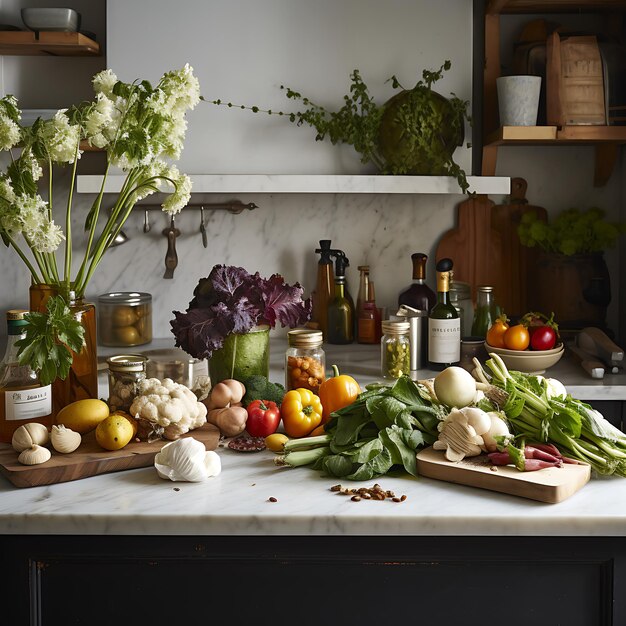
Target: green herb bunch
{"type": "Point", "coordinates": [572, 232]}
{"type": "Point", "coordinates": [410, 134]}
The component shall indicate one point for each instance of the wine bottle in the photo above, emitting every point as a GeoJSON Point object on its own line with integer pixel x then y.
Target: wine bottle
{"type": "Point", "coordinates": [418, 295]}
{"type": "Point", "coordinates": [444, 324]}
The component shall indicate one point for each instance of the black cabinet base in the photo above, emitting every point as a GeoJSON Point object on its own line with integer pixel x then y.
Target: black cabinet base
{"type": "Point", "coordinates": [312, 580]}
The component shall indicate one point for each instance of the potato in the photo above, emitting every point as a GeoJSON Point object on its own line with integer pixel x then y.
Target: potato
{"type": "Point", "coordinates": [226, 393]}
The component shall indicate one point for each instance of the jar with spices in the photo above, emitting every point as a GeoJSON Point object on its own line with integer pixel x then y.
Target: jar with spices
{"type": "Point", "coordinates": [124, 319]}
{"type": "Point", "coordinates": [395, 353]}
{"type": "Point", "coordinates": [305, 360]}
{"type": "Point", "coordinates": [125, 372]}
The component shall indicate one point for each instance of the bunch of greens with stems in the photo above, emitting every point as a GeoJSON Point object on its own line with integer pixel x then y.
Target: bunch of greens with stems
{"type": "Point", "coordinates": [575, 428]}
{"type": "Point", "coordinates": [358, 123]}
{"type": "Point", "coordinates": [142, 129]}
{"type": "Point", "coordinates": [383, 428]}
{"type": "Point", "coordinates": [572, 231]}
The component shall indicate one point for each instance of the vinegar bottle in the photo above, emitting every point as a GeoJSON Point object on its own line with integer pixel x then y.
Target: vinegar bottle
{"type": "Point", "coordinates": [368, 315]}
{"type": "Point", "coordinates": [22, 398]}
{"type": "Point", "coordinates": [324, 288]}
{"type": "Point", "coordinates": [444, 324]}
{"type": "Point", "coordinates": [341, 307]}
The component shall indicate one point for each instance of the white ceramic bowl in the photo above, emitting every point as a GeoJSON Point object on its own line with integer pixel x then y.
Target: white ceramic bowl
{"type": "Point", "coordinates": [528, 361]}
{"type": "Point", "coordinates": [51, 19]}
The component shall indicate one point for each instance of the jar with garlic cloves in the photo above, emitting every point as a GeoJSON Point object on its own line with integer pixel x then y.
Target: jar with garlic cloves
{"type": "Point", "coordinates": [124, 319]}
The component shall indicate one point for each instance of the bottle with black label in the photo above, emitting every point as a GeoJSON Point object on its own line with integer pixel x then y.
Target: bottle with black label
{"type": "Point", "coordinates": [444, 323]}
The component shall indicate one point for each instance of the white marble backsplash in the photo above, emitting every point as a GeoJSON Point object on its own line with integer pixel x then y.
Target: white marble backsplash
{"type": "Point", "coordinates": [281, 235]}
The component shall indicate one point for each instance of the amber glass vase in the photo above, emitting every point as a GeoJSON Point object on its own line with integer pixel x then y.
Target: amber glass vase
{"type": "Point", "coordinates": [82, 381]}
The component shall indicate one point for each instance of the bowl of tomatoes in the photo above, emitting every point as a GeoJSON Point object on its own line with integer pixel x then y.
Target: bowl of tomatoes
{"type": "Point", "coordinates": [531, 346]}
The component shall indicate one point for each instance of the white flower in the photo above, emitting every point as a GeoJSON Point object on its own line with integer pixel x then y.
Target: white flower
{"type": "Point", "coordinates": [10, 133]}
{"type": "Point", "coordinates": [104, 81]}
{"type": "Point", "coordinates": [182, 90]}
{"type": "Point", "coordinates": [47, 238]}
{"type": "Point", "coordinates": [61, 138]}
{"type": "Point", "coordinates": [179, 199]}
{"type": "Point", "coordinates": [31, 164]}
{"type": "Point", "coordinates": [99, 120]}
{"type": "Point", "coordinates": [32, 212]}
{"type": "Point", "coordinates": [6, 190]}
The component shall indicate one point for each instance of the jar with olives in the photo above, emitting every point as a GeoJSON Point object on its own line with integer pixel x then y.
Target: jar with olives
{"type": "Point", "coordinates": [395, 353]}
{"type": "Point", "coordinates": [305, 360]}
{"type": "Point", "coordinates": [125, 372]}
{"type": "Point", "coordinates": [124, 319]}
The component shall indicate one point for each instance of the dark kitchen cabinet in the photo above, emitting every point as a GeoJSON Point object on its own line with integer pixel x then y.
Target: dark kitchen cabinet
{"type": "Point", "coordinates": [311, 580]}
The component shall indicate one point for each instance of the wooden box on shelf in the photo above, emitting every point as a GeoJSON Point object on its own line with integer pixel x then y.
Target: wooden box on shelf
{"type": "Point", "coordinates": [574, 81]}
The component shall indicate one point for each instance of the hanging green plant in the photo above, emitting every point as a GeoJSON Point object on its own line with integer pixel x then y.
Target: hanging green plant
{"type": "Point", "coordinates": [415, 132]}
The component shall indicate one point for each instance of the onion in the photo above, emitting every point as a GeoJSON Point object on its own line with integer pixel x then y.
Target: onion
{"type": "Point", "coordinates": [455, 387]}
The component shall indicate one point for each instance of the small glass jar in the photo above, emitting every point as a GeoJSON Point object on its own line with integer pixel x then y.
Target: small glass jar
{"type": "Point", "coordinates": [395, 353]}
{"type": "Point", "coordinates": [125, 372]}
{"type": "Point", "coordinates": [305, 360]}
{"type": "Point", "coordinates": [124, 319]}
{"type": "Point", "coordinates": [461, 298]}
{"type": "Point", "coordinates": [486, 311]}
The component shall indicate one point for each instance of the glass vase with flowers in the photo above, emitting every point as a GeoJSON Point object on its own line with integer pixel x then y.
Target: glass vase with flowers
{"type": "Point", "coordinates": [141, 128]}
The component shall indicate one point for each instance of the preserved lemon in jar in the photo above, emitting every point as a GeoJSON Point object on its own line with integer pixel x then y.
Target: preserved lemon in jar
{"type": "Point", "coordinates": [124, 319]}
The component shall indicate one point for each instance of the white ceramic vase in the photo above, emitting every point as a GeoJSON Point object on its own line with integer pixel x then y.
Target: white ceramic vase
{"type": "Point", "coordinates": [518, 100]}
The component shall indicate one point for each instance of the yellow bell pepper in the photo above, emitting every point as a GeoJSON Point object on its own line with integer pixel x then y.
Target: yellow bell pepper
{"type": "Point", "coordinates": [301, 411]}
{"type": "Point", "coordinates": [337, 392]}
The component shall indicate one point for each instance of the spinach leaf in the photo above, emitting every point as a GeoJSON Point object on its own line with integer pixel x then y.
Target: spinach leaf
{"type": "Point", "coordinates": [378, 466]}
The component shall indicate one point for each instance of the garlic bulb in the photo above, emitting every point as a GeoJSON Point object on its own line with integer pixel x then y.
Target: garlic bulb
{"type": "Point", "coordinates": [186, 459]}
{"type": "Point", "coordinates": [34, 456]}
{"type": "Point", "coordinates": [27, 435]}
{"type": "Point", "coordinates": [64, 440]}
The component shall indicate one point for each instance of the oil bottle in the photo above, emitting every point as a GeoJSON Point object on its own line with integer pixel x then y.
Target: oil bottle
{"type": "Point", "coordinates": [341, 307]}
{"type": "Point", "coordinates": [368, 322]}
{"type": "Point", "coordinates": [324, 288]}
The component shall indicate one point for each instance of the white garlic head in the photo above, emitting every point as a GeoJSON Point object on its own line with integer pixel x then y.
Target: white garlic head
{"type": "Point", "coordinates": [188, 460]}
{"type": "Point", "coordinates": [64, 439]}
{"type": "Point", "coordinates": [34, 456]}
{"type": "Point", "coordinates": [28, 435]}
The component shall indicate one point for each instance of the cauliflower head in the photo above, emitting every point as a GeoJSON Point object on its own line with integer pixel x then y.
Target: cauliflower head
{"type": "Point", "coordinates": [169, 405]}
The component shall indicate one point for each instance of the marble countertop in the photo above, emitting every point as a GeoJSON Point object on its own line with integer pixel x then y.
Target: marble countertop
{"type": "Point", "coordinates": [237, 502]}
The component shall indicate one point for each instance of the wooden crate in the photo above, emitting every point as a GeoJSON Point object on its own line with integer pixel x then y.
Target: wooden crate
{"type": "Point", "coordinates": [574, 81]}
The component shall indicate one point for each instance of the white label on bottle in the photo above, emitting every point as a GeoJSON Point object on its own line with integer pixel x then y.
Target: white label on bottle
{"type": "Point", "coordinates": [28, 403]}
{"type": "Point", "coordinates": [444, 340]}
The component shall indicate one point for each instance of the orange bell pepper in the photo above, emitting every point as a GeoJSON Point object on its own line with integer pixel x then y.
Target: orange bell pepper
{"type": "Point", "coordinates": [301, 411]}
{"type": "Point", "coordinates": [337, 392]}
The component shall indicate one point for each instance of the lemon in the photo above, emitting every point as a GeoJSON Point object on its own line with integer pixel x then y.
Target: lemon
{"type": "Point", "coordinates": [114, 432]}
{"type": "Point", "coordinates": [83, 416]}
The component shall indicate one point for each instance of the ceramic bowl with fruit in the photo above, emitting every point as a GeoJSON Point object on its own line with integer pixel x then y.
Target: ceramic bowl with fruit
{"type": "Point", "coordinates": [532, 346]}
{"type": "Point", "coordinates": [528, 361]}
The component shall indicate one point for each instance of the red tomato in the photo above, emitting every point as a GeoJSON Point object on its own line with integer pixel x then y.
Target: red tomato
{"type": "Point", "coordinates": [516, 338]}
{"type": "Point", "coordinates": [542, 338]}
{"type": "Point", "coordinates": [263, 418]}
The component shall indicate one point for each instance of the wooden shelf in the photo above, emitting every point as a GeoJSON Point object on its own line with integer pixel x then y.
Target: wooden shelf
{"type": "Point", "coordinates": [27, 43]}
{"type": "Point", "coordinates": [495, 7]}
{"type": "Point", "coordinates": [553, 135]}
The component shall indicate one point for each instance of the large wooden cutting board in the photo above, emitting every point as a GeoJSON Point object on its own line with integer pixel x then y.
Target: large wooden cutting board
{"type": "Point", "coordinates": [517, 261]}
{"type": "Point", "coordinates": [89, 459]}
{"type": "Point", "coordinates": [552, 485]}
{"type": "Point", "coordinates": [474, 245]}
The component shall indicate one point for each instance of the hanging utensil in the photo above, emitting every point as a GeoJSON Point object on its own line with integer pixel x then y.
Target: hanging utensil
{"type": "Point", "coordinates": [171, 258]}
{"type": "Point", "coordinates": [203, 227]}
{"type": "Point", "coordinates": [146, 221]}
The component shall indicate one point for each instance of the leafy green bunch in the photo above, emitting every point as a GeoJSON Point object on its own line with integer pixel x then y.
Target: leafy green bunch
{"type": "Point", "coordinates": [572, 232]}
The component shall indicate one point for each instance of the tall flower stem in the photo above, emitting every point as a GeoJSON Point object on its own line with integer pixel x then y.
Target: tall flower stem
{"type": "Point", "coordinates": [68, 223]}
{"type": "Point", "coordinates": [24, 258]}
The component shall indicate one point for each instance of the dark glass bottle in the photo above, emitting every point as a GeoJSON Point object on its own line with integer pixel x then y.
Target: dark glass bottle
{"type": "Point", "coordinates": [341, 307]}
{"type": "Point", "coordinates": [368, 329]}
{"type": "Point", "coordinates": [324, 287]}
{"type": "Point", "coordinates": [418, 295]}
{"type": "Point", "coordinates": [444, 323]}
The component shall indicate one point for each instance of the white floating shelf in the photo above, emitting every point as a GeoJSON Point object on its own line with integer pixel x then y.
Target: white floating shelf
{"type": "Point", "coordinates": [319, 183]}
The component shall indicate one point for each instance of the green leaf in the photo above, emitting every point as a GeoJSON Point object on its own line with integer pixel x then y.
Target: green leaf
{"type": "Point", "coordinates": [378, 466]}
{"type": "Point", "coordinates": [334, 465]}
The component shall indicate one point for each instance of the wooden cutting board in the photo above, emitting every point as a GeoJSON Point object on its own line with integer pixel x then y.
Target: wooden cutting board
{"type": "Point", "coordinates": [474, 245]}
{"type": "Point", "coordinates": [517, 261]}
{"type": "Point", "coordinates": [89, 459]}
{"type": "Point", "coordinates": [551, 485]}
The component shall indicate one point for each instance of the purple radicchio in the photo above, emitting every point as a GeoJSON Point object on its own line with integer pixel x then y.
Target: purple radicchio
{"type": "Point", "coordinates": [230, 300]}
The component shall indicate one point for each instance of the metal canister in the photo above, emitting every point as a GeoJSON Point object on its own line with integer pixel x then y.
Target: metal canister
{"type": "Point", "coordinates": [125, 372]}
